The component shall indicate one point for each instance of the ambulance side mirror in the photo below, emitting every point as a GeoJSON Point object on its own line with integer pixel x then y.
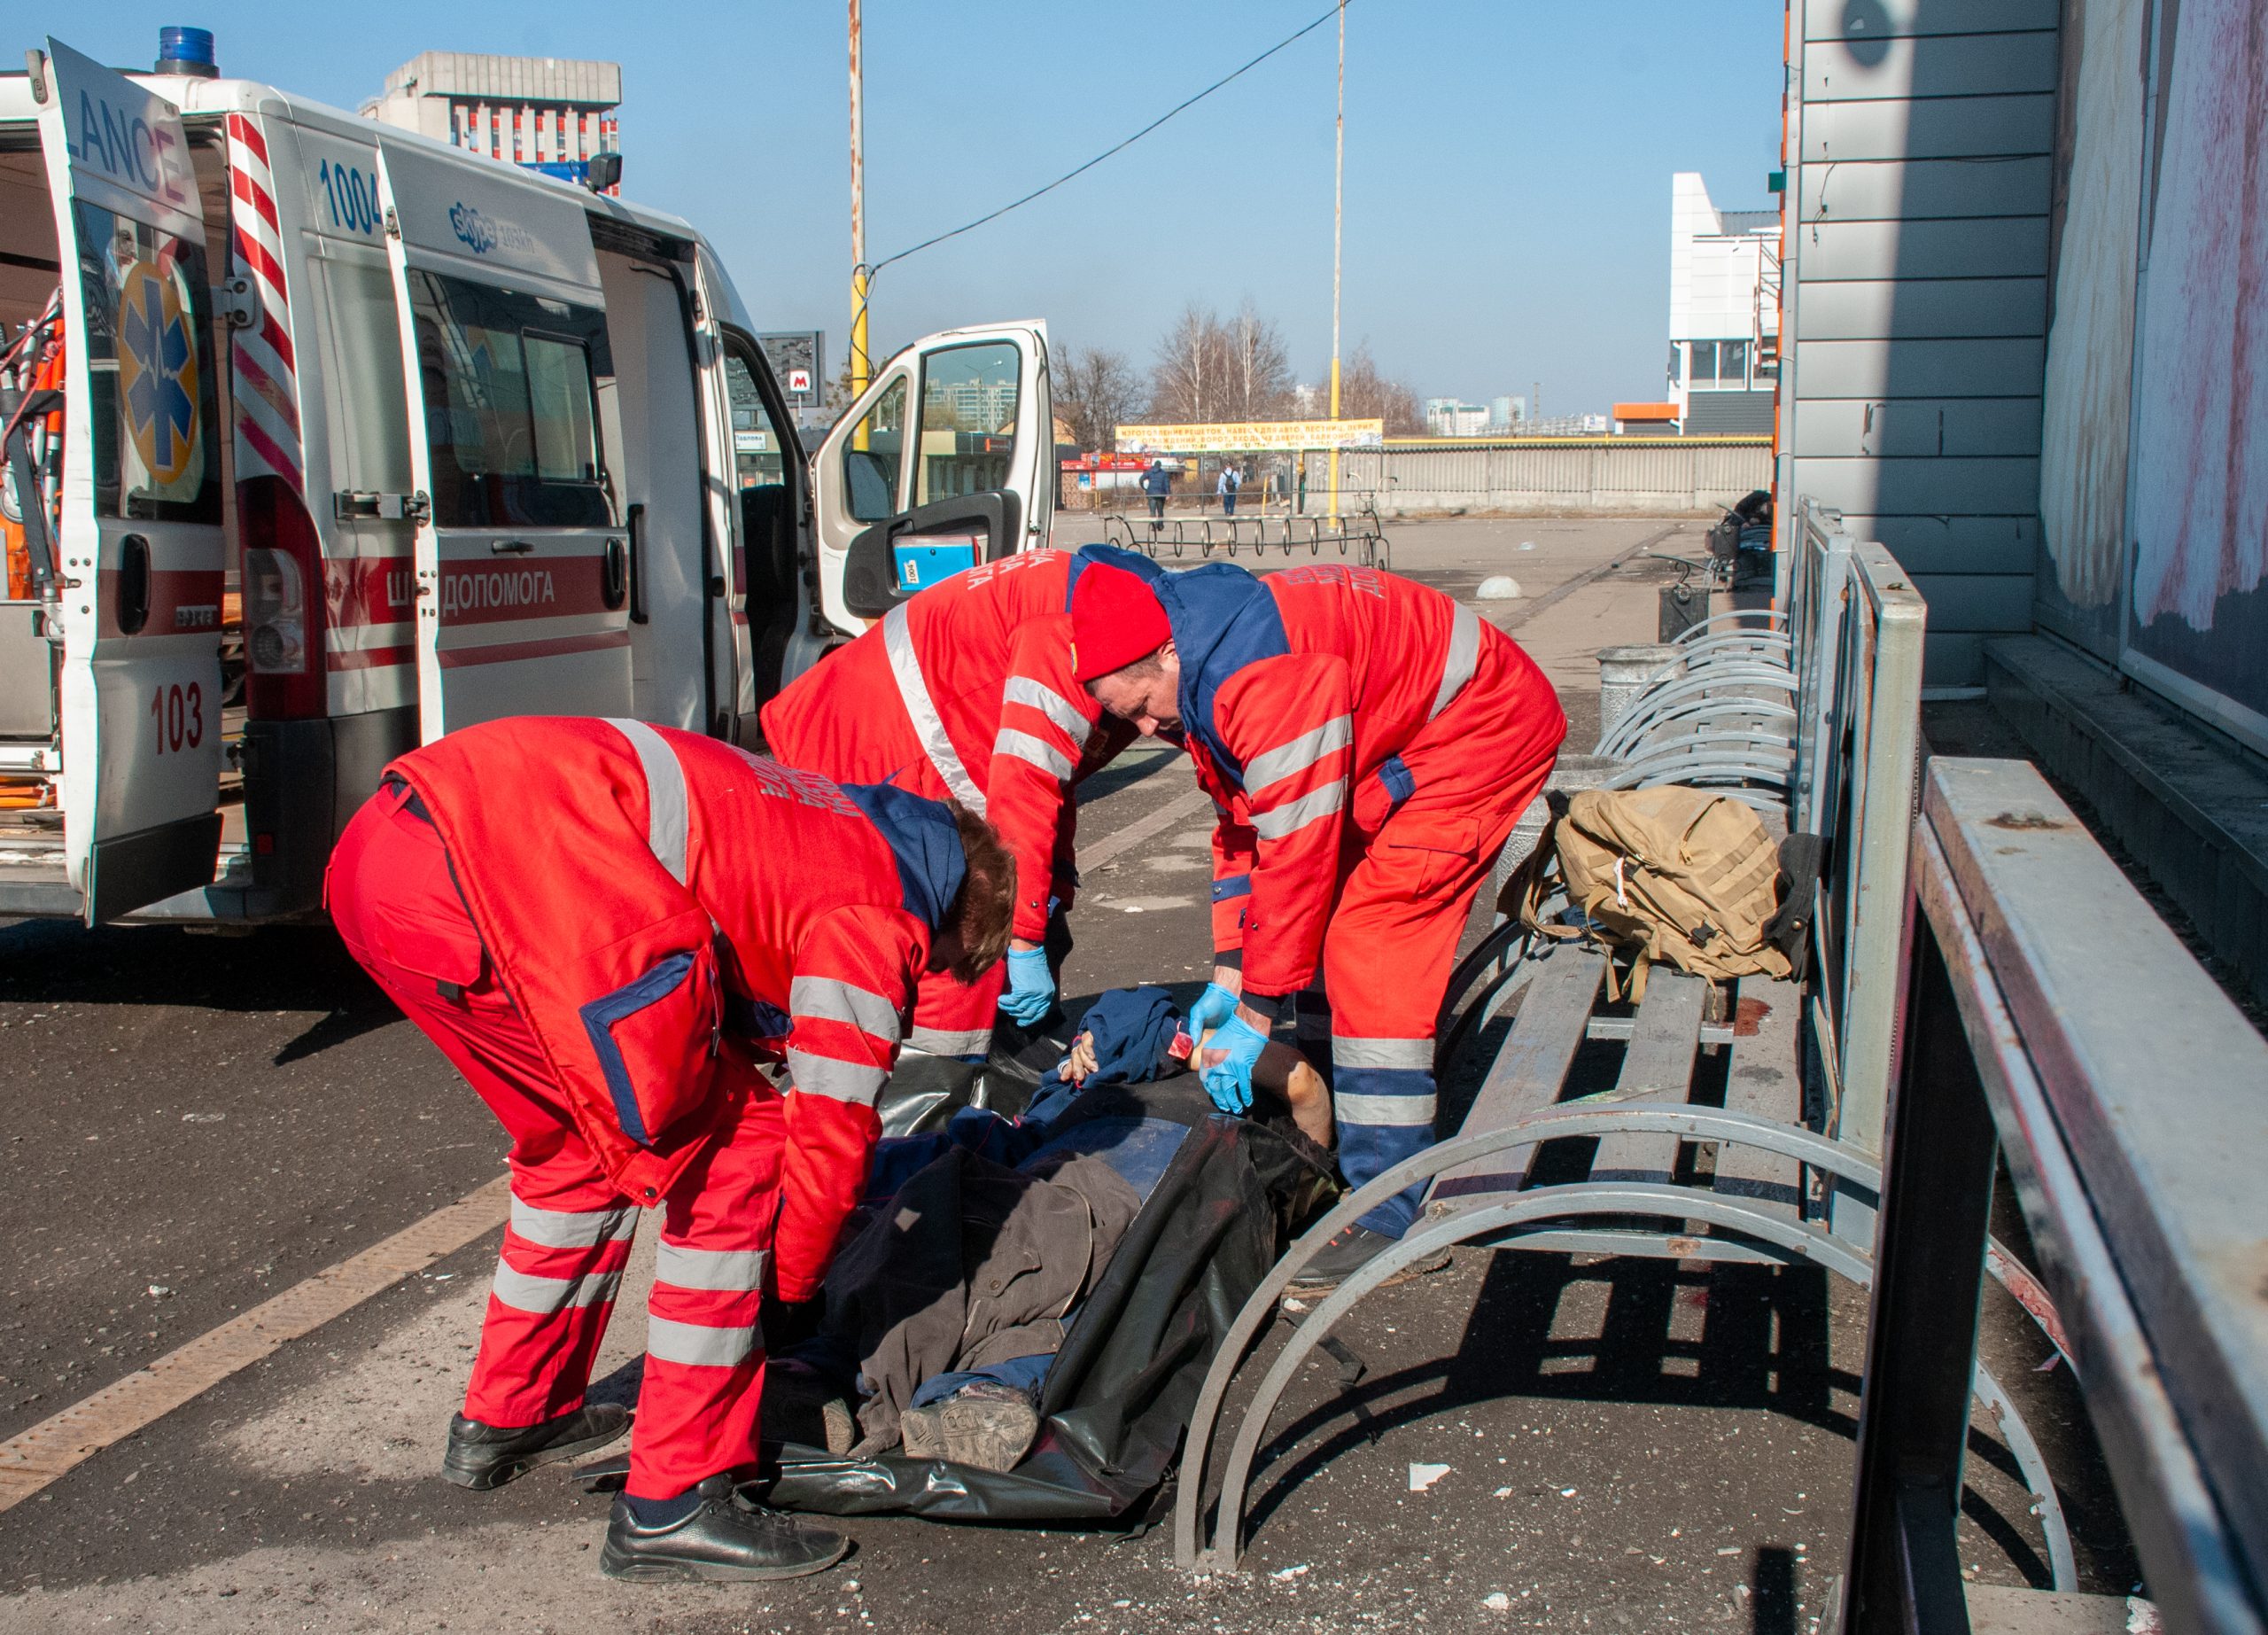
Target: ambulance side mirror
{"type": "Point", "coordinates": [602, 171]}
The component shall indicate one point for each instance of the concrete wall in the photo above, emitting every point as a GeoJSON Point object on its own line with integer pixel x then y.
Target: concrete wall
{"type": "Point", "coordinates": [1919, 140]}
{"type": "Point", "coordinates": [1573, 477]}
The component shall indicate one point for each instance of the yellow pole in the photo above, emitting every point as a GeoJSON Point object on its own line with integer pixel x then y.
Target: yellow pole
{"type": "Point", "coordinates": [1338, 225]}
{"type": "Point", "coordinates": [861, 366]}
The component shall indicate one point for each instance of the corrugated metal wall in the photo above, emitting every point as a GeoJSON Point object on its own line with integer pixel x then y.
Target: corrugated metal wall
{"type": "Point", "coordinates": [1919, 174]}
{"type": "Point", "coordinates": [1573, 478]}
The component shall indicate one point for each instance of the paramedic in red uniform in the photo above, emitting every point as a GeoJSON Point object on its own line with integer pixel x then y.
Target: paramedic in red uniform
{"type": "Point", "coordinates": [966, 691]}
{"type": "Point", "coordinates": [1369, 743]}
{"type": "Point", "coordinates": [607, 927]}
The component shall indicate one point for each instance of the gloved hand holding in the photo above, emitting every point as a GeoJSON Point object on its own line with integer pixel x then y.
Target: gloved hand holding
{"type": "Point", "coordinates": [1032, 987]}
{"type": "Point", "coordinates": [1213, 1007]}
{"type": "Point", "coordinates": [1229, 1081]}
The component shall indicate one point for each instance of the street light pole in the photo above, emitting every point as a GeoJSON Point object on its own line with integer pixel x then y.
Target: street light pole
{"type": "Point", "coordinates": [861, 367]}
{"type": "Point", "coordinates": [1338, 227]}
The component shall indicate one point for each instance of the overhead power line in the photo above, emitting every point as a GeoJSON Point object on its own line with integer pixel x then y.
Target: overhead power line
{"type": "Point", "coordinates": [1111, 152]}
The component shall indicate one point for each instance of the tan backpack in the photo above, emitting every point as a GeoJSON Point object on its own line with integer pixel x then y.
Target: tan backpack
{"type": "Point", "coordinates": [1671, 873]}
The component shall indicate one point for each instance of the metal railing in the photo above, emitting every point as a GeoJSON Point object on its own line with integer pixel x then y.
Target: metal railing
{"type": "Point", "coordinates": [2051, 1017]}
{"type": "Point", "coordinates": [1356, 537]}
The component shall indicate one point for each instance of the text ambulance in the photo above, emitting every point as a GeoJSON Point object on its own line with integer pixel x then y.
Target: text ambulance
{"type": "Point", "coordinates": [463, 441]}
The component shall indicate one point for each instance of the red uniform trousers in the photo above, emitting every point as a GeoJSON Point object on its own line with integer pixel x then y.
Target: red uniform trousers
{"type": "Point", "coordinates": [570, 1231]}
{"type": "Point", "coordinates": [1403, 900]}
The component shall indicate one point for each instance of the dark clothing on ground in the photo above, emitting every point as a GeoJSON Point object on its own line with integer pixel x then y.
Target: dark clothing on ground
{"type": "Point", "coordinates": [969, 1264]}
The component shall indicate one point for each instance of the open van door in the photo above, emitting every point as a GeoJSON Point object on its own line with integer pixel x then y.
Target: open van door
{"type": "Point", "coordinates": [141, 547]}
{"type": "Point", "coordinates": [522, 552]}
{"type": "Point", "coordinates": [948, 459]}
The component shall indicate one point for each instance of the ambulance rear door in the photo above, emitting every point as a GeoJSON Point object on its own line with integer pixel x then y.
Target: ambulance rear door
{"type": "Point", "coordinates": [948, 458]}
{"type": "Point", "coordinates": [523, 569]}
{"type": "Point", "coordinates": [141, 545]}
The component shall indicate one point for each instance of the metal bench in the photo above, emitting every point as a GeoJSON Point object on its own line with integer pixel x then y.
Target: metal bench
{"type": "Point", "coordinates": [2053, 1018]}
{"type": "Point", "coordinates": [1785, 1170]}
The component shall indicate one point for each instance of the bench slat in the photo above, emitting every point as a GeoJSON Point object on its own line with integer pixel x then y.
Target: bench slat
{"type": "Point", "coordinates": [1530, 1068]}
{"type": "Point", "coordinates": [1767, 1080]}
{"type": "Point", "coordinates": [1658, 1067]}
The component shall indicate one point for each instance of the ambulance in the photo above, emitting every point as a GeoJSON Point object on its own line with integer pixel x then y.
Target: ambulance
{"type": "Point", "coordinates": [323, 438]}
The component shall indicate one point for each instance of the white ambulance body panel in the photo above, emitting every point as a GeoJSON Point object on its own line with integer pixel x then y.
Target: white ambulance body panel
{"type": "Point", "coordinates": [497, 446]}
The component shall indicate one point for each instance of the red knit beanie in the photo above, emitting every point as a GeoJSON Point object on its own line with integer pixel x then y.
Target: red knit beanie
{"type": "Point", "coordinates": [1115, 620]}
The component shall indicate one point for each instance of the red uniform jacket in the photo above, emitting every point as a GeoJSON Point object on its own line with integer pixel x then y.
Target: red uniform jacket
{"type": "Point", "coordinates": [966, 691]}
{"type": "Point", "coordinates": [1299, 692]}
{"type": "Point", "coordinates": [666, 909]}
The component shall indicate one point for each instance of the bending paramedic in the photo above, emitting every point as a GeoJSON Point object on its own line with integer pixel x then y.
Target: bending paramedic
{"type": "Point", "coordinates": [966, 691]}
{"type": "Point", "coordinates": [613, 930]}
{"type": "Point", "coordinates": [1369, 743]}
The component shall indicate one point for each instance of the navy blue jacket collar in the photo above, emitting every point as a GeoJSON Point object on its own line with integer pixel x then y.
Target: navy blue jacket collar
{"type": "Point", "coordinates": [1222, 618]}
{"type": "Point", "coordinates": [931, 862]}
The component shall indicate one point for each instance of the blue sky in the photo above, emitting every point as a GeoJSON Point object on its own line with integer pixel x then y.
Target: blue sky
{"type": "Point", "coordinates": [1508, 161]}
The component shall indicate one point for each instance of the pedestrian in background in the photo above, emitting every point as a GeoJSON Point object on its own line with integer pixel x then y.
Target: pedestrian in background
{"type": "Point", "coordinates": [1156, 485]}
{"type": "Point", "coordinates": [1227, 487]}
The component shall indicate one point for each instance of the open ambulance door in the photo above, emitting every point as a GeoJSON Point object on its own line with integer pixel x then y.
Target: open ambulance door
{"type": "Point", "coordinates": [522, 552]}
{"type": "Point", "coordinates": [140, 551]}
{"type": "Point", "coordinates": [948, 459]}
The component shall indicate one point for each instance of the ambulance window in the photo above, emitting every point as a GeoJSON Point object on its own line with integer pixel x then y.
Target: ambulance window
{"type": "Point", "coordinates": [511, 405]}
{"type": "Point", "coordinates": [969, 420]}
{"type": "Point", "coordinates": [157, 454]}
{"type": "Point", "coordinates": [759, 453]}
{"type": "Point", "coordinates": [559, 395]}
{"type": "Point", "coordinates": [870, 459]}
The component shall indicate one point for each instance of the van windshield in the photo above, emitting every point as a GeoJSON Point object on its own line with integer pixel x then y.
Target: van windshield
{"type": "Point", "coordinates": [511, 405]}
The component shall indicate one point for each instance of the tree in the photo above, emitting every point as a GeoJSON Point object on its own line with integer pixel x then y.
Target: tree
{"type": "Point", "coordinates": [1095, 392]}
{"type": "Point", "coordinates": [1259, 384]}
{"type": "Point", "coordinates": [1366, 395]}
{"type": "Point", "coordinates": [1188, 383]}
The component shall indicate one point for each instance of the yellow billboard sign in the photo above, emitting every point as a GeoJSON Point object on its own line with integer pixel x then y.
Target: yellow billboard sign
{"type": "Point", "coordinates": [1251, 436]}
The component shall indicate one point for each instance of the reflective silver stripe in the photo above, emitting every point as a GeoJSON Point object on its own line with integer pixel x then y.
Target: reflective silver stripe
{"type": "Point", "coordinates": [524, 1291]}
{"type": "Point", "coordinates": [1062, 711]}
{"type": "Point", "coordinates": [843, 1002]}
{"type": "Point", "coordinates": [1299, 814]}
{"type": "Point", "coordinates": [696, 1345]}
{"type": "Point", "coordinates": [1039, 751]}
{"type": "Point", "coordinates": [938, 1042]}
{"type": "Point", "coordinates": [928, 726]}
{"type": "Point", "coordinates": [736, 1269]}
{"type": "Point", "coordinates": [1416, 1054]}
{"type": "Point", "coordinates": [837, 1080]}
{"type": "Point", "coordinates": [1464, 654]}
{"type": "Point", "coordinates": [572, 1229]}
{"type": "Point", "coordinates": [666, 808]}
{"type": "Point", "coordinates": [1300, 753]}
{"type": "Point", "coordinates": [1378, 1109]}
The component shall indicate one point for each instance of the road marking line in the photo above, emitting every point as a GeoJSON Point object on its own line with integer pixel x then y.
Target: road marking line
{"type": "Point", "coordinates": [1142, 829]}
{"type": "Point", "coordinates": [58, 1444]}
{"type": "Point", "coordinates": [48, 1449]}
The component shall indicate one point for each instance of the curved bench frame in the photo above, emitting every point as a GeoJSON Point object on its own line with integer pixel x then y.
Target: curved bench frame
{"type": "Point", "coordinates": [1539, 1208]}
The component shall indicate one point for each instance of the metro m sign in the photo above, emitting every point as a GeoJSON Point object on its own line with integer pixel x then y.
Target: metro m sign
{"type": "Point", "coordinates": [799, 382]}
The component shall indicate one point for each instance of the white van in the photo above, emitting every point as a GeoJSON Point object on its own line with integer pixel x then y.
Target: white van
{"type": "Point", "coordinates": [362, 438]}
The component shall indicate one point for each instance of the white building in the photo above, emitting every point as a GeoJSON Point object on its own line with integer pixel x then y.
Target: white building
{"type": "Point", "coordinates": [1724, 312]}
{"type": "Point", "coordinates": [1446, 416]}
{"type": "Point", "coordinates": [550, 114]}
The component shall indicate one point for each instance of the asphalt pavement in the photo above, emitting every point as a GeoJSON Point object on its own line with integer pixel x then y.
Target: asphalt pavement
{"type": "Point", "coordinates": [199, 1122]}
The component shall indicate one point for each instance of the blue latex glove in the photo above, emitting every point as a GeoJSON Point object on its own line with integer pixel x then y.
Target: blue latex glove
{"type": "Point", "coordinates": [1229, 1081]}
{"type": "Point", "coordinates": [1032, 987]}
{"type": "Point", "coordinates": [1213, 1007]}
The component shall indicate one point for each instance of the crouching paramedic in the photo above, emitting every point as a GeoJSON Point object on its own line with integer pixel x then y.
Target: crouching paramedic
{"type": "Point", "coordinates": [1369, 743]}
{"type": "Point", "coordinates": [966, 691]}
{"type": "Point", "coordinates": [607, 928]}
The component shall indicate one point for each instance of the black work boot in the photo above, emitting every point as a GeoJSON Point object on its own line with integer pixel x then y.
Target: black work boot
{"type": "Point", "coordinates": [486, 1456]}
{"type": "Point", "coordinates": [1349, 1253]}
{"type": "Point", "coordinates": [727, 1540]}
